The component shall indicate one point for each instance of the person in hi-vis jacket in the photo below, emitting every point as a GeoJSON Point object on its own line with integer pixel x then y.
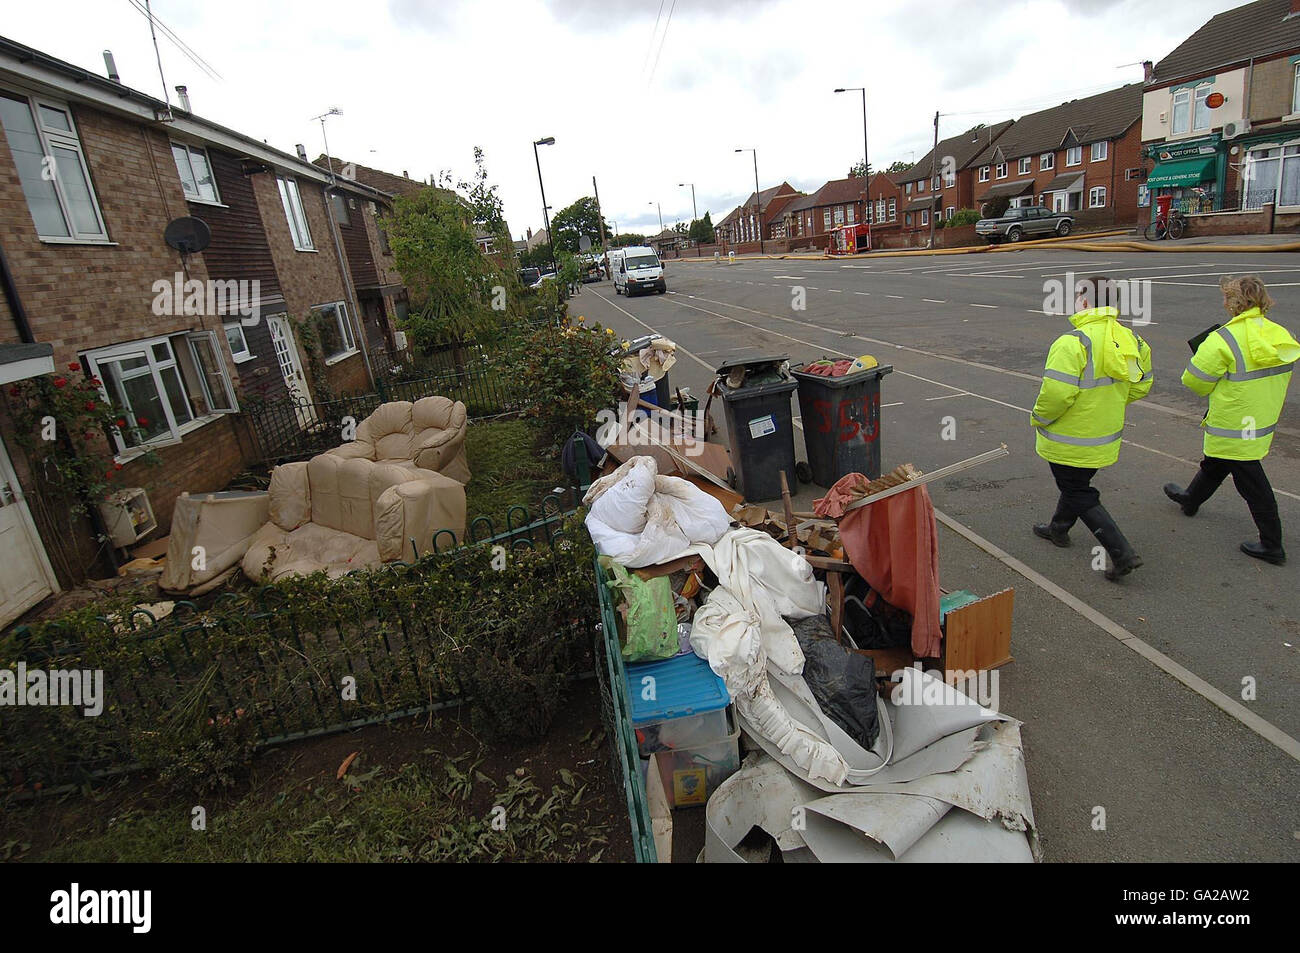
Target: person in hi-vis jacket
{"type": "Point", "coordinates": [1093, 373]}
{"type": "Point", "coordinates": [1244, 367]}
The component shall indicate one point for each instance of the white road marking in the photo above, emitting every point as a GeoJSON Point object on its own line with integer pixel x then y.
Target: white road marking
{"type": "Point", "coordinates": [865, 294]}
{"type": "Point", "coordinates": [899, 297]}
{"type": "Point", "coordinates": [973, 305]}
{"type": "Point", "coordinates": [933, 301]}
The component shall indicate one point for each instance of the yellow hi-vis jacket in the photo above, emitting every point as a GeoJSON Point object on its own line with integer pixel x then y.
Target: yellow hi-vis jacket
{"type": "Point", "coordinates": [1244, 368]}
{"type": "Point", "coordinates": [1093, 373]}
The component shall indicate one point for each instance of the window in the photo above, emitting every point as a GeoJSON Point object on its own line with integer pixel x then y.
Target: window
{"type": "Point", "coordinates": [920, 186]}
{"type": "Point", "coordinates": [165, 386]}
{"type": "Point", "coordinates": [196, 173]}
{"type": "Point", "coordinates": [880, 210]}
{"type": "Point", "coordinates": [340, 209]}
{"type": "Point", "coordinates": [950, 179]}
{"type": "Point", "coordinates": [826, 218]}
{"type": "Point", "coordinates": [293, 211]}
{"type": "Point", "coordinates": [1074, 155]}
{"type": "Point", "coordinates": [1201, 111]}
{"type": "Point", "coordinates": [1026, 166]}
{"type": "Point", "coordinates": [950, 211]}
{"type": "Point", "coordinates": [839, 215]}
{"type": "Point", "coordinates": [239, 349]}
{"type": "Point", "coordinates": [1272, 173]}
{"type": "Point", "coordinates": [907, 218]}
{"type": "Point", "coordinates": [1000, 171]}
{"type": "Point", "coordinates": [1097, 197]}
{"type": "Point", "coordinates": [984, 173]}
{"type": "Point", "coordinates": [925, 216]}
{"type": "Point", "coordinates": [335, 330]}
{"type": "Point", "coordinates": [907, 189]}
{"type": "Point", "coordinates": [1295, 90]}
{"type": "Point", "coordinates": [1047, 161]}
{"type": "Point", "coordinates": [936, 184]}
{"type": "Point", "coordinates": [1182, 111]}
{"type": "Point", "coordinates": [848, 214]}
{"type": "Point", "coordinates": [52, 169]}
{"type": "Point", "coordinates": [893, 210]}
{"type": "Point", "coordinates": [1098, 151]}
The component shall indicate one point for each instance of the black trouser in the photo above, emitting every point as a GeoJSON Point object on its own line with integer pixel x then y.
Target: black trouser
{"type": "Point", "coordinates": [1078, 495]}
{"type": "Point", "coordinates": [1251, 482]}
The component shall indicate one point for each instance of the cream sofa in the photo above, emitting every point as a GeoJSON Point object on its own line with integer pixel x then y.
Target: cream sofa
{"type": "Point", "coordinates": [361, 504]}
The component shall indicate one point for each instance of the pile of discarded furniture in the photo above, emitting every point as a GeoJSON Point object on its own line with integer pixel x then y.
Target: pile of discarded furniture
{"type": "Point", "coordinates": [780, 668]}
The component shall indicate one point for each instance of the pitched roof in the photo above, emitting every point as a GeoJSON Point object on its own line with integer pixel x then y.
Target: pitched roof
{"type": "Point", "coordinates": [963, 149]}
{"type": "Point", "coordinates": [375, 178]}
{"type": "Point", "coordinates": [766, 196]}
{"type": "Point", "coordinates": [1257, 29]}
{"type": "Point", "coordinates": [801, 203]}
{"type": "Point", "coordinates": [1103, 116]}
{"type": "Point", "coordinates": [839, 192]}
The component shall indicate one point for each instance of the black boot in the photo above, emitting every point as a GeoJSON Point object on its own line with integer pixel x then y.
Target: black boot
{"type": "Point", "coordinates": [1123, 559]}
{"type": "Point", "coordinates": [1179, 496]}
{"type": "Point", "coordinates": [1056, 532]}
{"type": "Point", "coordinates": [1269, 548]}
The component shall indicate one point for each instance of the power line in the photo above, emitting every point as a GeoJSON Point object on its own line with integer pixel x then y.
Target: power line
{"type": "Point", "coordinates": [171, 35]}
{"type": "Point", "coordinates": [662, 40]}
{"type": "Point", "coordinates": [645, 61]}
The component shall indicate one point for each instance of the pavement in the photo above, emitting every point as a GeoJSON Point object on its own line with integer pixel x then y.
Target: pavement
{"type": "Point", "coordinates": [1161, 712]}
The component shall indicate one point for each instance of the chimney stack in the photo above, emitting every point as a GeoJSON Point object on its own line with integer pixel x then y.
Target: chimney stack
{"type": "Point", "coordinates": [184, 94]}
{"type": "Point", "coordinates": [302, 151]}
{"type": "Point", "coordinates": [111, 66]}
{"type": "Point", "coordinates": [1149, 70]}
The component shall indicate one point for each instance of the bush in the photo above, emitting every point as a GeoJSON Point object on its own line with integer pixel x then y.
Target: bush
{"type": "Point", "coordinates": [964, 216]}
{"type": "Point", "coordinates": [565, 376]}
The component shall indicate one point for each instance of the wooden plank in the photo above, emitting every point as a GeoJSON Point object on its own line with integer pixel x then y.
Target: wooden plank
{"type": "Point", "coordinates": [939, 474]}
{"type": "Point", "coordinates": [978, 636]}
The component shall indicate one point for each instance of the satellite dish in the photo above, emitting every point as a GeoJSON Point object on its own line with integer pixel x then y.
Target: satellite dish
{"type": "Point", "coordinates": [188, 234]}
{"type": "Point", "coordinates": [584, 243]}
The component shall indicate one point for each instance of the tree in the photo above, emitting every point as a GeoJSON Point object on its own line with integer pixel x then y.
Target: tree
{"type": "Point", "coordinates": [451, 283]}
{"type": "Point", "coordinates": [702, 230]}
{"type": "Point", "coordinates": [898, 165]}
{"type": "Point", "coordinates": [855, 172]}
{"type": "Point", "coordinates": [484, 202]}
{"type": "Point", "coordinates": [681, 228]}
{"type": "Point", "coordinates": [570, 224]}
{"type": "Point", "coordinates": [628, 238]}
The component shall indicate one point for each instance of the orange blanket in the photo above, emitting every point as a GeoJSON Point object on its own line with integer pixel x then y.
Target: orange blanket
{"type": "Point", "coordinates": [894, 545]}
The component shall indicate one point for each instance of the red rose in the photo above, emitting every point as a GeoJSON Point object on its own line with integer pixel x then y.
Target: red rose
{"type": "Point", "coordinates": [13, 392]}
{"type": "Point", "coordinates": [142, 421]}
{"type": "Point", "coordinates": [74, 367]}
{"type": "Point", "coordinates": [60, 382]}
{"type": "Point", "coordinates": [88, 435]}
{"type": "Point", "coordinates": [108, 475]}
{"type": "Point", "coordinates": [117, 466]}
{"type": "Point", "coordinates": [90, 405]}
{"type": "Point", "coordinates": [120, 422]}
{"type": "Point", "coordinates": [95, 381]}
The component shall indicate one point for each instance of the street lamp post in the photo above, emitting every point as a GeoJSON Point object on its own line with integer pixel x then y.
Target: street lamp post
{"type": "Point", "coordinates": [758, 198]}
{"type": "Point", "coordinates": [866, 162]}
{"type": "Point", "coordinates": [661, 215]}
{"type": "Point", "coordinates": [546, 214]}
{"type": "Point", "coordinates": [695, 213]}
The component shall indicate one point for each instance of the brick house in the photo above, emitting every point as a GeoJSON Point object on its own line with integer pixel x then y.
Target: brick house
{"type": "Point", "coordinates": [1082, 156]}
{"type": "Point", "coordinates": [943, 180]}
{"type": "Point", "coordinates": [91, 278]}
{"type": "Point", "coordinates": [838, 202]}
{"type": "Point", "coordinates": [743, 223]}
{"type": "Point", "coordinates": [885, 198]}
{"type": "Point", "coordinates": [1221, 118]}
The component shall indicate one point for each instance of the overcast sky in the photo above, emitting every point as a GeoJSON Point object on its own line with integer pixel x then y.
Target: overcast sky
{"type": "Point", "coordinates": [641, 107]}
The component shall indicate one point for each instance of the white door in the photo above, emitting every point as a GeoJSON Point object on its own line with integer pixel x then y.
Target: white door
{"type": "Point", "coordinates": [25, 573]}
{"type": "Point", "coordinates": [286, 355]}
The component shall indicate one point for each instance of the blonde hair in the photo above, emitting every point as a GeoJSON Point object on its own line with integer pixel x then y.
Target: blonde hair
{"type": "Point", "coordinates": [1242, 294]}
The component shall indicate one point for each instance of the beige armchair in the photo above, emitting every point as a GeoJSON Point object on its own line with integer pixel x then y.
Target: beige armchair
{"type": "Point", "coordinates": [428, 434]}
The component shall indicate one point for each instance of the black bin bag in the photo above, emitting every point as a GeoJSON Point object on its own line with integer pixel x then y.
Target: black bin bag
{"type": "Point", "coordinates": [842, 681]}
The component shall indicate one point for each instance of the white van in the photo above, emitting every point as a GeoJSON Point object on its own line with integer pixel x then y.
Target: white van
{"type": "Point", "coordinates": [612, 259]}
{"type": "Point", "coordinates": [638, 269]}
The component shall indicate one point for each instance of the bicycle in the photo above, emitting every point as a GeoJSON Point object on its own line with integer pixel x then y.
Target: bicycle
{"type": "Point", "coordinates": [1173, 227]}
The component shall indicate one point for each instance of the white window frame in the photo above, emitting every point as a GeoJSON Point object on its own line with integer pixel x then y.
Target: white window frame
{"type": "Point", "coordinates": [1099, 151]}
{"type": "Point", "coordinates": [839, 215]}
{"type": "Point", "coordinates": [907, 188]}
{"type": "Point", "coordinates": [1026, 166]}
{"type": "Point", "coordinates": [826, 217]}
{"type": "Point", "coordinates": [1047, 162]}
{"type": "Point", "coordinates": [950, 211]}
{"type": "Point", "coordinates": [1000, 170]}
{"type": "Point", "coordinates": [215, 199]}
{"type": "Point", "coordinates": [1180, 99]}
{"type": "Point", "coordinates": [346, 331]}
{"type": "Point", "coordinates": [848, 215]}
{"type": "Point", "coordinates": [294, 213]}
{"type": "Point", "coordinates": [70, 140]}
{"type": "Point", "coordinates": [145, 347]}
{"type": "Point", "coordinates": [893, 210]}
{"type": "Point", "coordinates": [1097, 196]}
{"type": "Point", "coordinates": [920, 186]}
{"type": "Point", "coordinates": [949, 179]}
{"type": "Point", "coordinates": [244, 353]}
{"type": "Point", "coordinates": [1074, 155]}
{"type": "Point", "coordinates": [1199, 97]}
{"type": "Point", "coordinates": [984, 173]}
{"type": "Point", "coordinates": [1295, 90]}
{"type": "Point", "coordinates": [925, 216]}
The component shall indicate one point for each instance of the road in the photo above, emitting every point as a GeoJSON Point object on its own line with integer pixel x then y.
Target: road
{"type": "Point", "coordinates": [1136, 696]}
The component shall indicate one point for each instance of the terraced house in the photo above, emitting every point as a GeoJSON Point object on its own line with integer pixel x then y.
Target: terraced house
{"type": "Point", "coordinates": [91, 174]}
{"type": "Point", "coordinates": [1083, 156]}
{"type": "Point", "coordinates": [1221, 121]}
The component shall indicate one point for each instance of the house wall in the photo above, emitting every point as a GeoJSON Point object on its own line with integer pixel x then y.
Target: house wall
{"type": "Point", "coordinates": [1158, 102]}
{"type": "Point", "coordinates": [1271, 89]}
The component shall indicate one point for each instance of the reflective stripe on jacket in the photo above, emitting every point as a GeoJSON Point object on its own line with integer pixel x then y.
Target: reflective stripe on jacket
{"type": "Point", "coordinates": [1244, 368]}
{"type": "Point", "coordinates": [1079, 414]}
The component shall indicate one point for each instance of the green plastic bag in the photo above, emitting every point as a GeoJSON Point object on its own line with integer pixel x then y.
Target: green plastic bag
{"type": "Point", "coordinates": [651, 618]}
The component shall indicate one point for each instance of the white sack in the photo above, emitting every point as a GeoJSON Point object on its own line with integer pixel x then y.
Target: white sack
{"type": "Point", "coordinates": [639, 518]}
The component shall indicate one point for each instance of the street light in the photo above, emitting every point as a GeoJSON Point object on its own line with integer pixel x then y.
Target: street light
{"type": "Point", "coordinates": [546, 215]}
{"type": "Point", "coordinates": [695, 213]}
{"type": "Point", "coordinates": [758, 208]}
{"type": "Point", "coordinates": [866, 163]}
{"type": "Point", "coordinates": [661, 215]}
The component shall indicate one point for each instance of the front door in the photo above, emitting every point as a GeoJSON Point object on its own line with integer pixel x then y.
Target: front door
{"type": "Point", "coordinates": [25, 574]}
{"type": "Point", "coordinates": [286, 355]}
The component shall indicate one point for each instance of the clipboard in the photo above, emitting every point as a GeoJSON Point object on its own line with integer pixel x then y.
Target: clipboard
{"type": "Point", "coordinates": [1196, 342]}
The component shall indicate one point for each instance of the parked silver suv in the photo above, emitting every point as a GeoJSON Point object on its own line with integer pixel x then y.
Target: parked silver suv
{"type": "Point", "coordinates": [1018, 223]}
